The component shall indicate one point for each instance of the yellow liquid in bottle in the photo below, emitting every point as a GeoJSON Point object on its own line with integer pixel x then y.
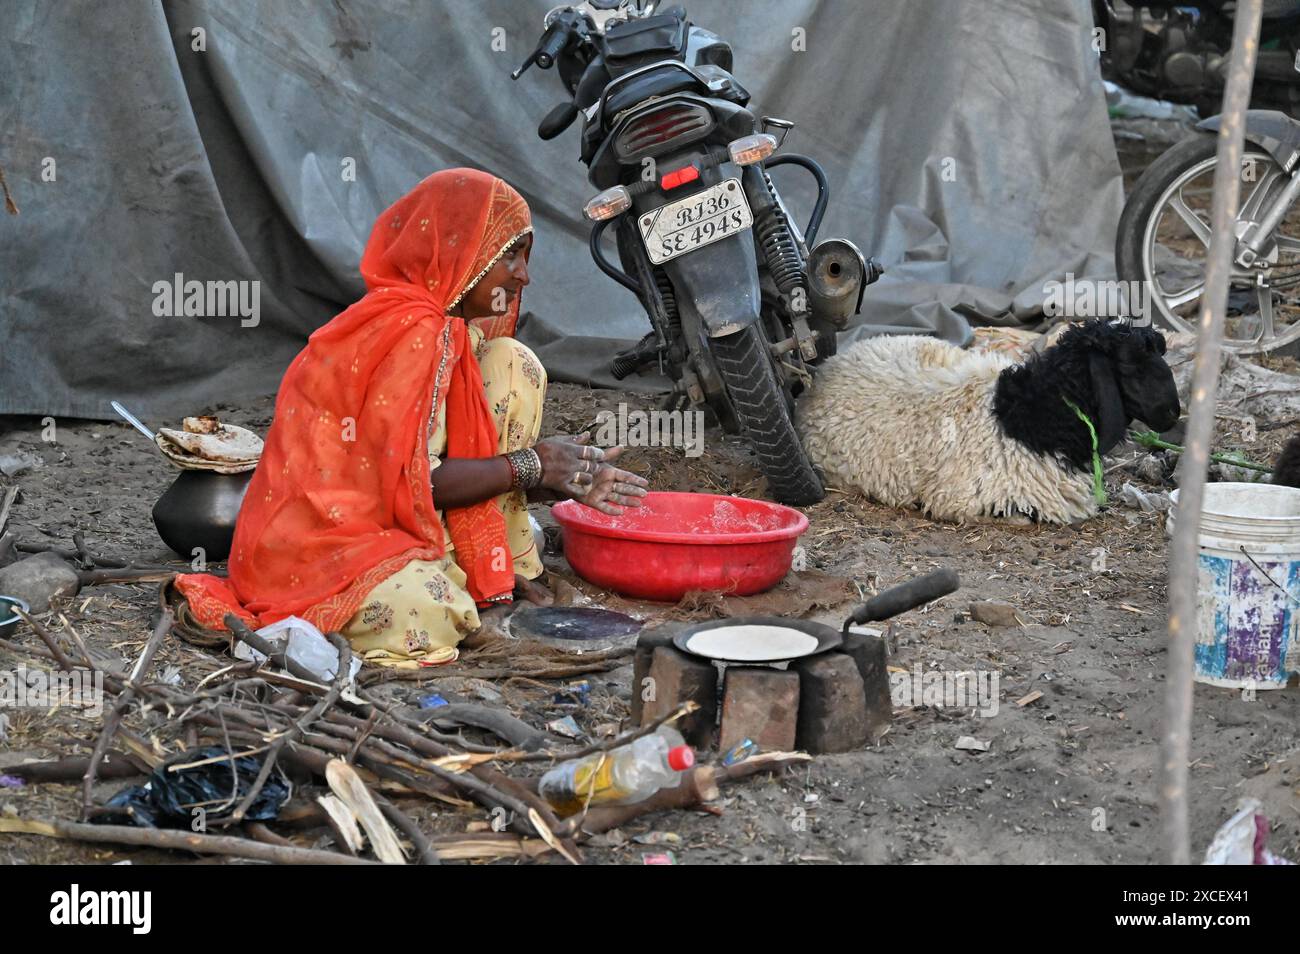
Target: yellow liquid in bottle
{"type": "Point", "coordinates": [595, 778]}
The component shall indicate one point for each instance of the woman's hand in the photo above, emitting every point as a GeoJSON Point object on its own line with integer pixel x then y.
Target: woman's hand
{"type": "Point", "coordinates": [573, 468]}
{"type": "Point", "coordinates": [612, 489]}
{"type": "Point", "coordinates": [569, 464]}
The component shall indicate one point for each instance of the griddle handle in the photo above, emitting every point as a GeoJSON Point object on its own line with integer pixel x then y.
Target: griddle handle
{"type": "Point", "coordinates": [905, 596]}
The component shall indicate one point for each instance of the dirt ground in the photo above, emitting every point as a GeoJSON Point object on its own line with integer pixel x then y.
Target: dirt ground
{"type": "Point", "coordinates": [1067, 778]}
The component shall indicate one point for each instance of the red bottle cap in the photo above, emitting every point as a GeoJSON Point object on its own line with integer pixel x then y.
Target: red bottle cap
{"type": "Point", "coordinates": [681, 758]}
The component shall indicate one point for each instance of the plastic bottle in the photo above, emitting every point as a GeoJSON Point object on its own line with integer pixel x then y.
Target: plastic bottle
{"type": "Point", "coordinates": [630, 773]}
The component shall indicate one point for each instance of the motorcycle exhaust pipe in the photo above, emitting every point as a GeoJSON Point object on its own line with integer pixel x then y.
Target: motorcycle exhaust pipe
{"type": "Point", "coordinates": [838, 274]}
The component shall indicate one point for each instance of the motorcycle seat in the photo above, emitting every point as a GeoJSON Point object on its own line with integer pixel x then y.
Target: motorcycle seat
{"type": "Point", "coordinates": [658, 82]}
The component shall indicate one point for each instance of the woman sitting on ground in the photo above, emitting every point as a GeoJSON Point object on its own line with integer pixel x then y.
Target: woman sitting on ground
{"type": "Point", "coordinates": [390, 503]}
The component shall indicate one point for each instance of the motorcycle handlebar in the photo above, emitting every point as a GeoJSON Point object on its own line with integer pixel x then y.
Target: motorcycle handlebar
{"type": "Point", "coordinates": [552, 44]}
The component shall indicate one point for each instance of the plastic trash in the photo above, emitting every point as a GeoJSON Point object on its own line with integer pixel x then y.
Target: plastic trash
{"type": "Point", "coordinates": [1138, 499]}
{"type": "Point", "coordinates": [302, 643]}
{"type": "Point", "coordinates": [432, 701]}
{"type": "Point", "coordinates": [539, 535]}
{"type": "Point", "coordinates": [628, 774]}
{"type": "Point", "coordinates": [567, 727]}
{"type": "Point", "coordinates": [739, 752]}
{"type": "Point", "coordinates": [179, 799]}
{"type": "Point", "coordinates": [1243, 839]}
{"type": "Point", "coordinates": [574, 693]}
{"type": "Point", "coordinates": [1128, 105]}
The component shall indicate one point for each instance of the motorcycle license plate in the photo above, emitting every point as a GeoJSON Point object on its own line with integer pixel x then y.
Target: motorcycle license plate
{"type": "Point", "coordinates": [704, 218]}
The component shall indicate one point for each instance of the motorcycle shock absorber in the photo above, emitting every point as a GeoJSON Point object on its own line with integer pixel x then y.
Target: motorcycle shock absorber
{"type": "Point", "coordinates": [669, 299]}
{"type": "Point", "coordinates": [777, 241]}
{"type": "Point", "coordinates": [784, 261]}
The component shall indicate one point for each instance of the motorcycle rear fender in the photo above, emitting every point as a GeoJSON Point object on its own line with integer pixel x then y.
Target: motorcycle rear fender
{"type": "Point", "coordinates": [606, 170]}
{"type": "Point", "coordinates": [716, 285]}
{"type": "Point", "coordinates": [1274, 132]}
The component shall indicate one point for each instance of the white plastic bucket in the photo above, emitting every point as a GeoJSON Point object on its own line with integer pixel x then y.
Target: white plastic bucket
{"type": "Point", "coordinates": [1248, 589]}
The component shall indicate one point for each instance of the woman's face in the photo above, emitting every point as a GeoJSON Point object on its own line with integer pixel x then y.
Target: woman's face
{"type": "Point", "coordinates": [500, 286]}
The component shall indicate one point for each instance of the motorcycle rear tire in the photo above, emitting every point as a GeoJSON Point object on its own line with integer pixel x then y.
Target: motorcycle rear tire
{"type": "Point", "coordinates": [760, 406]}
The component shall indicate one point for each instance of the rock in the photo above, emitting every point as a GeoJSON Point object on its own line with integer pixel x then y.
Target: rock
{"type": "Point", "coordinates": [37, 579]}
{"type": "Point", "coordinates": [994, 614]}
{"type": "Point", "coordinates": [676, 678]}
{"type": "Point", "coordinates": [832, 704]}
{"type": "Point", "coordinates": [868, 653]}
{"type": "Point", "coordinates": [760, 704]}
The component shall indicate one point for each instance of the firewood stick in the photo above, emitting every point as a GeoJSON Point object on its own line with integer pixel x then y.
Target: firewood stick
{"type": "Point", "coordinates": [685, 709]}
{"type": "Point", "coordinates": [123, 700]}
{"type": "Point", "coordinates": [425, 785]}
{"type": "Point", "coordinates": [83, 555]}
{"type": "Point", "coordinates": [696, 787]}
{"type": "Point", "coordinates": [341, 679]}
{"type": "Point", "coordinates": [65, 554]}
{"type": "Point", "coordinates": [699, 786]}
{"type": "Point", "coordinates": [347, 785]}
{"type": "Point", "coordinates": [488, 845]}
{"type": "Point", "coordinates": [71, 769]}
{"type": "Point", "coordinates": [175, 840]}
{"type": "Point", "coordinates": [397, 728]}
{"type": "Point", "coordinates": [277, 656]}
{"type": "Point", "coordinates": [126, 574]}
{"type": "Point", "coordinates": [491, 783]}
{"type": "Point", "coordinates": [497, 721]}
{"type": "Point", "coordinates": [56, 651]}
{"type": "Point", "coordinates": [259, 832]}
{"type": "Point", "coordinates": [376, 676]}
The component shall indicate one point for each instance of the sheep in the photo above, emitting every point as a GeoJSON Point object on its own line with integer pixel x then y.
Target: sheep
{"type": "Point", "coordinates": [1287, 469]}
{"type": "Point", "coordinates": [917, 422]}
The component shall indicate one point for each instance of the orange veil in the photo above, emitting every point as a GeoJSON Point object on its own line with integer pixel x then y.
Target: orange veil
{"type": "Point", "coordinates": [341, 497]}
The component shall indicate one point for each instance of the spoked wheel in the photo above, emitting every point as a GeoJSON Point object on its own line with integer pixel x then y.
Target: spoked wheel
{"type": "Point", "coordinates": [1164, 238]}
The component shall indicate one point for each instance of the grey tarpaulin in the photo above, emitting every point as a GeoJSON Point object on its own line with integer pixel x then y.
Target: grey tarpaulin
{"type": "Point", "coordinates": [967, 146]}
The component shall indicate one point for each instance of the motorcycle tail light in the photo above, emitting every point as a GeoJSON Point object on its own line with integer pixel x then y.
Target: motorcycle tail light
{"type": "Point", "coordinates": [748, 150]}
{"type": "Point", "coordinates": [608, 204]}
{"type": "Point", "coordinates": [679, 177]}
{"type": "Point", "coordinates": [660, 129]}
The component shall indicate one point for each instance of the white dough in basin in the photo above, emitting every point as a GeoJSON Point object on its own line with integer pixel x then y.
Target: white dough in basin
{"type": "Point", "coordinates": [752, 643]}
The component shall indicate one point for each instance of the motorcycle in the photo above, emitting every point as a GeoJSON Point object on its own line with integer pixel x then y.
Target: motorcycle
{"type": "Point", "coordinates": [1162, 243]}
{"type": "Point", "coordinates": [742, 303]}
{"type": "Point", "coordinates": [1177, 51]}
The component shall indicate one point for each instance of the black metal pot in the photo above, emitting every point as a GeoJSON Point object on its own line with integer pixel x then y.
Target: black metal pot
{"type": "Point", "coordinates": [8, 618]}
{"type": "Point", "coordinates": [199, 510]}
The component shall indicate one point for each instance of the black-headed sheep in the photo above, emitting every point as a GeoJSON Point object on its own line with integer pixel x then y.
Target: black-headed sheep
{"type": "Point", "coordinates": [1287, 469]}
{"type": "Point", "coordinates": [916, 422]}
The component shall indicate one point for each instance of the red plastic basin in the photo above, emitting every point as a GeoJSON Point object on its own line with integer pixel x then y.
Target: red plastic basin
{"type": "Point", "coordinates": [675, 542]}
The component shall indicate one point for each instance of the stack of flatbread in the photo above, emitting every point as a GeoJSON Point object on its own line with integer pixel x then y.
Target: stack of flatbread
{"type": "Point", "coordinates": [207, 444]}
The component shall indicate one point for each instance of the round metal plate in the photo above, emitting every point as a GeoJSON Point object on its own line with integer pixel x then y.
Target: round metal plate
{"type": "Point", "coordinates": [822, 636]}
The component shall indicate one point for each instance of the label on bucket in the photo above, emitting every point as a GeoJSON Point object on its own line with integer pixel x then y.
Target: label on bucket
{"type": "Point", "coordinates": [1247, 626]}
